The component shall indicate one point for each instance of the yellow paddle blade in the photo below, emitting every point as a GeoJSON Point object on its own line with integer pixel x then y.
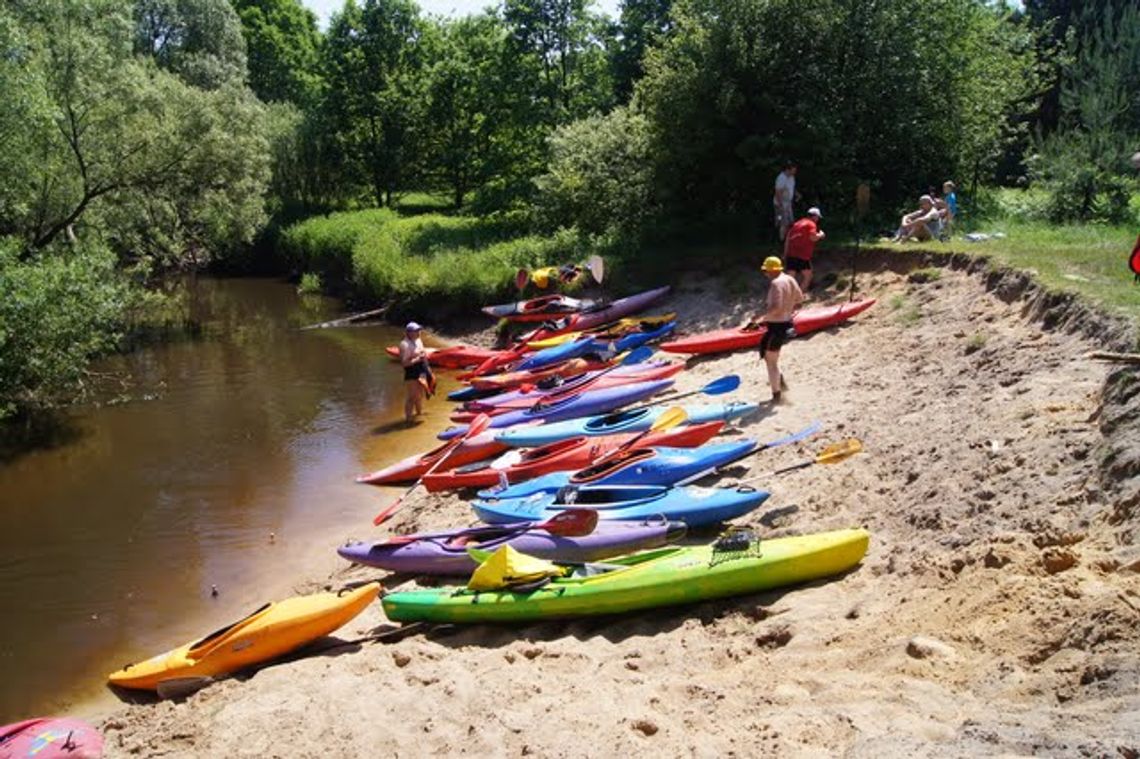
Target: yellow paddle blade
{"type": "Point", "coordinates": [838, 451]}
{"type": "Point", "coordinates": [671, 418]}
{"type": "Point", "coordinates": [550, 342]}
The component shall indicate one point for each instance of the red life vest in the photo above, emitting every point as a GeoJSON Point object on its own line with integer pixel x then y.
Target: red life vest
{"type": "Point", "coordinates": [1134, 261]}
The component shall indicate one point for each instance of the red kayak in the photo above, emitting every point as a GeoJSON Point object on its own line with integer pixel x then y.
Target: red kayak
{"type": "Point", "coordinates": [477, 448]}
{"type": "Point", "coordinates": [50, 738]}
{"type": "Point", "coordinates": [453, 357]}
{"type": "Point", "coordinates": [538, 309]}
{"type": "Point", "coordinates": [589, 381]}
{"type": "Point", "coordinates": [567, 455]}
{"type": "Point", "coordinates": [804, 321]}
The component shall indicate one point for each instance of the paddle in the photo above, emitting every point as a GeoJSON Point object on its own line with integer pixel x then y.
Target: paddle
{"type": "Point", "coordinates": [832, 454]}
{"type": "Point", "coordinates": [478, 424]}
{"type": "Point", "coordinates": [571, 523]}
{"type": "Point", "coordinates": [597, 267]}
{"type": "Point", "coordinates": [811, 429]}
{"type": "Point", "coordinates": [725, 384]}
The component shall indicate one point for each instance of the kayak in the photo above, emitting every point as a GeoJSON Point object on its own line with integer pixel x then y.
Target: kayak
{"type": "Point", "coordinates": [592, 346]}
{"type": "Point", "coordinates": [273, 630]}
{"type": "Point", "coordinates": [447, 555]}
{"type": "Point", "coordinates": [804, 321]}
{"type": "Point", "coordinates": [665, 577]}
{"type": "Point", "coordinates": [50, 738]}
{"type": "Point", "coordinates": [572, 406]}
{"type": "Point", "coordinates": [537, 309]}
{"type": "Point", "coordinates": [612, 331]}
{"type": "Point", "coordinates": [694, 506]}
{"type": "Point", "coordinates": [527, 396]}
{"type": "Point", "coordinates": [565, 455]}
{"type": "Point", "coordinates": [473, 449]}
{"type": "Point", "coordinates": [453, 357]}
{"type": "Point", "coordinates": [599, 315]}
{"type": "Point", "coordinates": [510, 380]}
{"type": "Point", "coordinates": [659, 465]}
{"type": "Point", "coordinates": [632, 420]}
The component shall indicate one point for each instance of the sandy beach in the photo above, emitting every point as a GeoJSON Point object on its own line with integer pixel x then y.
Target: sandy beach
{"type": "Point", "coordinates": [997, 612]}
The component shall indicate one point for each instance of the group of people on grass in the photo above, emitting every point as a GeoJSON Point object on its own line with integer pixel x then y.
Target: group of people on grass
{"type": "Point", "coordinates": [933, 218]}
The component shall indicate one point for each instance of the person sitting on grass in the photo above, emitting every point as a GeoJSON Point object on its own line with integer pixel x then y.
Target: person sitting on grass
{"type": "Point", "coordinates": [800, 246]}
{"type": "Point", "coordinates": [923, 224]}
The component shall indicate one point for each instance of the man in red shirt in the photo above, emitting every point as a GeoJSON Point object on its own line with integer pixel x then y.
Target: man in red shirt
{"type": "Point", "coordinates": [800, 245]}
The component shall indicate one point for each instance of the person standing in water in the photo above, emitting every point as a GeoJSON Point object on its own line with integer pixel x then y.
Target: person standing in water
{"type": "Point", "coordinates": [417, 374]}
{"type": "Point", "coordinates": [784, 295]}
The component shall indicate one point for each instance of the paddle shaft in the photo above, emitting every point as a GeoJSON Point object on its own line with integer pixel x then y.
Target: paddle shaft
{"type": "Point", "coordinates": [811, 429]}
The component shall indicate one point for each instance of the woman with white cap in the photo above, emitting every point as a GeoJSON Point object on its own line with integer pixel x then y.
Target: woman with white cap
{"type": "Point", "coordinates": [418, 378]}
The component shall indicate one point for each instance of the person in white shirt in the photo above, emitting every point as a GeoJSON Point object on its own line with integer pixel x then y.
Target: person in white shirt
{"type": "Point", "coordinates": [783, 196]}
{"type": "Point", "coordinates": [417, 374]}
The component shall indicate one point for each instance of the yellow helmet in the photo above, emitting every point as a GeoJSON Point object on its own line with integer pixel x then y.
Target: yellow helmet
{"type": "Point", "coordinates": [772, 263]}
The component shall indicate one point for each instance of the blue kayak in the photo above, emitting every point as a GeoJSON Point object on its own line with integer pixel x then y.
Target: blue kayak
{"type": "Point", "coordinates": [637, 466]}
{"type": "Point", "coordinates": [633, 420]}
{"type": "Point", "coordinates": [584, 403]}
{"type": "Point", "coordinates": [692, 505]}
{"type": "Point", "coordinates": [591, 345]}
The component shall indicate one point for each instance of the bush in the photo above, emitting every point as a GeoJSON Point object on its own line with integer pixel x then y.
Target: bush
{"type": "Point", "coordinates": [58, 309]}
{"type": "Point", "coordinates": [443, 265]}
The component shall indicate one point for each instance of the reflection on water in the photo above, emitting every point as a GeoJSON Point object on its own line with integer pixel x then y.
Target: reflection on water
{"type": "Point", "coordinates": [110, 542]}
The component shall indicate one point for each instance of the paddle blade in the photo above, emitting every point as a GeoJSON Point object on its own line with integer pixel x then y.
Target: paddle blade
{"type": "Point", "coordinates": [721, 386]}
{"type": "Point", "coordinates": [838, 451]}
{"type": "Point", "coordinates": [670, 419]}
{"type": "Point", "coordinates": [572, 523]}
{"type": "Point", "coordinates": [597, 268]}
{"type": "Point", "coordinates": [808, 431]}
{"type": "Point", "coordinates": [386, 513]}
{"type": "Point", "coordinates": [521, 278]}
{"type": "Point", "coordinates": [637, 356]}
{"type": "Point", "coordinates": [478, 426]}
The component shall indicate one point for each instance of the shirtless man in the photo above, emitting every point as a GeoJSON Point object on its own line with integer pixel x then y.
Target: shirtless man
{"type": "Point", "coordinates": [784, 295]}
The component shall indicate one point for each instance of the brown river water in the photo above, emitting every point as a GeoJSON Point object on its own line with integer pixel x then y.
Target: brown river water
{"type": "Point", "coordinates": [172, 483]}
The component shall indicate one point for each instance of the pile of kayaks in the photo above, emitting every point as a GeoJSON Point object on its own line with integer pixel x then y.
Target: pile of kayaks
{"type": "Point", "coordinates": [584, 476]}
{"type": "Point", "coordinates": [571, 428]}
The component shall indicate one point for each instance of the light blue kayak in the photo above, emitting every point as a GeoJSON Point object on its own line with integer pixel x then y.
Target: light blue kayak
{"type": "Point", "coordinates": [637, 466]}
{"type": "Point", "coordinates": [692, 505]}
{"type": "Point", "coordinates": [633, 420]}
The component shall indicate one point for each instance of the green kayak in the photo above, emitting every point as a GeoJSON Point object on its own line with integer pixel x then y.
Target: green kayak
{"type": "Point", "coordinates": [664, 577]}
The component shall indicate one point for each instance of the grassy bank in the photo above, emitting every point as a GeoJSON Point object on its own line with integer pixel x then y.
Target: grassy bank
{"type": "Point", "coordinates": [430, 263]}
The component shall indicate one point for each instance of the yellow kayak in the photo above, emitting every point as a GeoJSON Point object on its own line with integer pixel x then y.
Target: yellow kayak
{"type": "Point", "coordinates": [616, 329]}
{"type": "Point", "coordinates": [273, 630]}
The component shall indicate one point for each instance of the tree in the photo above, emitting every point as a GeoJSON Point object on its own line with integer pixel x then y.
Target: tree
{"type": "Point", "coordinates": [562, 43]}
{"type": "Point", "coordinates": [373, 64]}
{"type": "Point", "coordinates": [283, 45]}
{"type": "Point", "coordinates": [643, 24]}
{"type": "Point", "coordinates": [199, 40]}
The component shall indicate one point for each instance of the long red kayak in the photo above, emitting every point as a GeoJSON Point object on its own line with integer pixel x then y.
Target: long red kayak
{"type": "Point", "coordinates": [804, 321]}
{"type": "Point", "coordinates": [412, 468]}
{"type": "Point", "coordinates": [567, 455]}
{"type": "Point", "coordinates": [452, 357]}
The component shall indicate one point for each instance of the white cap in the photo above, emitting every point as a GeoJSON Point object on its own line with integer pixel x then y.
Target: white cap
{"type": "Point", "coordinates": [813, 211]}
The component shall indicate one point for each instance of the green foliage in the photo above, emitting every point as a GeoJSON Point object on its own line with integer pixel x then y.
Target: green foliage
{"type": "Point", "coordinates": [643, 24]}
{"type": "Point", "coordinates": [57, 310]}
{"type": "Point", "coordinates": [429, 265]}
{"type": "Point", "coordinates": [853, 91]}
{"type": "Point", "coordinates": [310, 283]}
{"type": "Point", "coordinates": [199, 40]}
{"type": "Point", "coordinates": [283, 45]}
{"type": "Point", "coordinates": [600, 176]}
{"type": "Point", "coordinates": [1084, 165]}
{"type": "Point", "coordinates": [922, 276]}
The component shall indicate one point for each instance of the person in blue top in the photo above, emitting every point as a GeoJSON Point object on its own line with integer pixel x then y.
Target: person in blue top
{"type": "Point", "coordinates": [950, 197]}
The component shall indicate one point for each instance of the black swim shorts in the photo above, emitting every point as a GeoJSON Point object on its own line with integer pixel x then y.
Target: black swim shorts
{"type": "Point", "coordinates": [775, 337]}
{"type": "Point", "coordinates": [797, 264]}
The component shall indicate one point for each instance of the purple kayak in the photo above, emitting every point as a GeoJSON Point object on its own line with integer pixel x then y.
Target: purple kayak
{"type": "Point", "coordinates": [585, 403]}
{"type": "Point", "coordinates": [581, 382]}
{"type": "Point", "coordinates": [447, 555]}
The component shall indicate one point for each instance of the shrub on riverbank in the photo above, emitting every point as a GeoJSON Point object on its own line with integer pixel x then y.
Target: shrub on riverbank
{"type": "Point", "coordinates": [431, 263]}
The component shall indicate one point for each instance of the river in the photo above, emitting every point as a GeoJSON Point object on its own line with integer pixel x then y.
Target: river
{"type": "Point", "coordinates": [223, 461]}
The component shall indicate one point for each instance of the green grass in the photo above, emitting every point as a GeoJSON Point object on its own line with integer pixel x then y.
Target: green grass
{"type": "Point", "coordinates": [430, 264]}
